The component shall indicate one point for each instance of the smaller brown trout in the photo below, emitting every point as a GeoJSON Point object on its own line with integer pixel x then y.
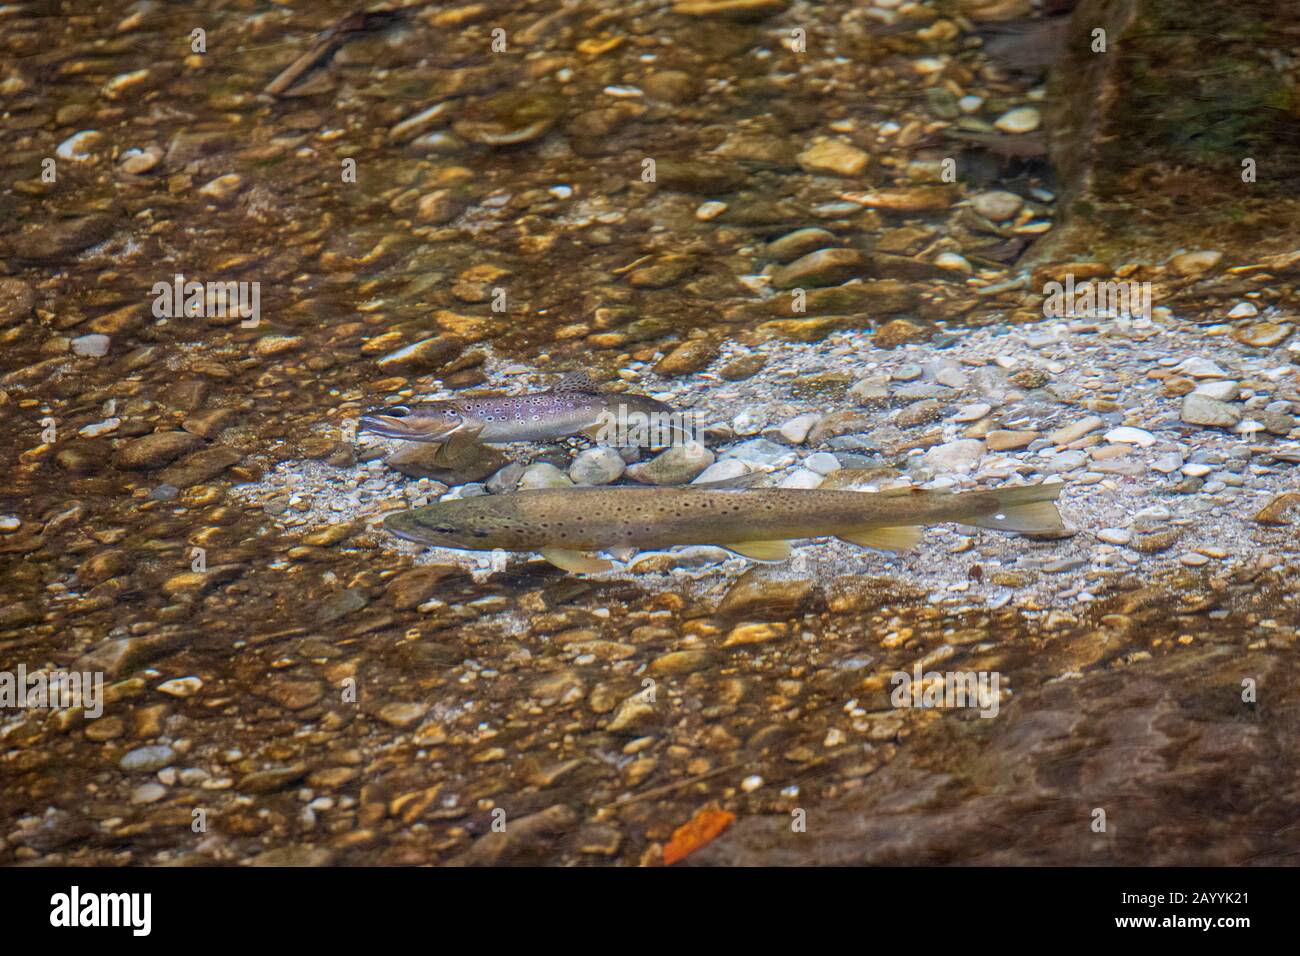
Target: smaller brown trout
{"type": "Point", "coordinates": [564, 523]}
{"type": "Point", "coordinates": [572, 407]}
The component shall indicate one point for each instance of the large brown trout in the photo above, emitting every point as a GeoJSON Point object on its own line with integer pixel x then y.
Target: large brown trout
{"type": "Point", "coordinates": [563, 523]}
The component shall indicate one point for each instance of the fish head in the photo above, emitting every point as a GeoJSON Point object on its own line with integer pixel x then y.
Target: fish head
{"type": "Point", "coordinates": [430, 421]}
{"type": "Point", "coordinates": [474, 524]}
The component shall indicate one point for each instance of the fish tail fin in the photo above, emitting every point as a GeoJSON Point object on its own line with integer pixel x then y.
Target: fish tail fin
{"type": "Point", "coordinates": [1026, 509]}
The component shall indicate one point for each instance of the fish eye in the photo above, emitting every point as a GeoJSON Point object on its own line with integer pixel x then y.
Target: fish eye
{"type": "Point", "coordinates": [397, 411]}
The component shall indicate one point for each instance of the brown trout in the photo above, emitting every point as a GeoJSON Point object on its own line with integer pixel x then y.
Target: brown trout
{"type": "Point", "coordinates": [572, 407]}
{"type": "Point", "coordinates": [563, 523]}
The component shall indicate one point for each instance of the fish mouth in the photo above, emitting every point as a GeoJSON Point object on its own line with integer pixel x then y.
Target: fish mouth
{"type": "Point", "coordinates": [388, 426]}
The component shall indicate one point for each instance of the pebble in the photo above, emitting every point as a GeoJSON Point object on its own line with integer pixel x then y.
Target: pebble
{"type": "Point", "coordinates": [834, 156]}
{"type": "Point", "coordinates": [997, 205]}
{"type": "Point", "coordinates": [972, 413]}
{"type": "Point", "coordinates": [1024, 119]}
{"type": "Point", "coordinates": [823, 463]}
{"type": "Point", "coordinates": [954, 457]}
{"type": "Point", "coordinates": [1224, 391]}
{"type": "Point", "coordinates": [724, 470]}
{"type": "Point", "coordinates": [597, 466]}
{"type": "Point", "coordinates": [180, 687]}
{"type": "Point", "coordinates": [1208, 412]}
{"type": "Point", "coordinates": [91, 346]}
{"type": "Point", "coordinates": [1120, 536]}
{"type": "Point", "coordinates": [148, 793]}
{"type": "Point", "coordinates": [801, 478]}
{"type": "Point", "coordinates": [1131, 436]}
{"type": "Point", "coordinates": [796, 430]}
{"type": "Point", "coordinates": [147, 759]}
{"type": "Point", "coordinates": [675, 466]}
{"type": "Point", "coordinates": [1072, 433]}
{"type": "Point", "coordinates": [544, 475]}
{"type": "Point", "coordinates": [1194, 263]}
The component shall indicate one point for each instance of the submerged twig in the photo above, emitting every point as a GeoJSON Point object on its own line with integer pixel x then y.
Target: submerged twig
{"type": "Point", "coordinates": [328, 42]}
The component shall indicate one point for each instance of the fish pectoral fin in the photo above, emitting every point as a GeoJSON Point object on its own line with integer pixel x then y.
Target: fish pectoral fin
{"type": "Point", "coordinates": [575, 562]}
{"type": "Point", "coordinates": [897, 538]}
{"type": "Point", "coordinates": [460, 449]}
{"type": "Point", "coordinates": [761, 550]}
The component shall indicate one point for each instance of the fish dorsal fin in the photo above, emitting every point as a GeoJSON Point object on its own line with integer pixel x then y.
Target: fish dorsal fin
{"type": "Point", "coordinates": [576, 381]}
{"type": "Point", "coordinates": [898, 538]}
{"type": "Point", "coordinates": [575, 561]}
{"type": "Point", "coordinates": [761, 550]}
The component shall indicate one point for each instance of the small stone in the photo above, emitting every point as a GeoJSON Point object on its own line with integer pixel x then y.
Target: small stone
{"type": "Point", "coordinates": [824, 267]}
{"type": "Point", "coordinates": [1001, 439]}
{"type": "Point", "coordinates": [691, 356]}
{"type": "Point", "coordinates": [953, 262]}
{"type": "Point", "coordinates": [1225, 391]}
{"type": "Point", "coordinates": [725, 470]}
{"type": "Point", "coordinates": [180, 687]}
{"type": "Point", "coordinates": [1072, 433]}
{"type": "Point", "coordinates": [834, 156]}
{"type": "Point", "coordinates": [147, 759]}
{"type": "Point", "coordinates": [1189, 264]}
{"type": "Point", "coordinates": [1208, 412]}
{"type": "Point", "coordinates": [597, 466]}
{"type": "Point", "coordinates": [1264, 335]}
{"type": "Point", "coordinates": [1127, 435]}
{"type": "Point", "coordinates": [91, 346]}
{"type": "Point", "coordinates": [823, 463]}
{"type": "Point", "coordinates": [155, 450]}
{"type": "Point", "coordinates": [634, 715]}
{"type": "Point", "coordinates": [796, 430]}
{"type": "Point", "coordinates": [675, 466]}
{"type": "Point", "coordinates": [997, 205]}
{"type": "Point", "coordinates": [543, 474]}
{"type": "Point", "coordinates": [1024, 119]}
{"type": "Point", "coordinates": [920, 413]}
{"type": "Point", "coordinates": [223, 188]}
{"type": "Point", "coordinates": [954, 457]}
{"type": "Point", "coordinates": [402, 715]}
{"type": "Point", "coordinates": [1120, 536]}
{"type": "Point", "coordinates": [148, 793]}
{"type": "Point", "coordinates": [1201, 368]}
{"type": "Point", "coordinates": [899, 332]}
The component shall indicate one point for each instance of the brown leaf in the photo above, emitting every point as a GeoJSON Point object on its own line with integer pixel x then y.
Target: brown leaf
{"type": "Point", "coordinates": [702, 829]}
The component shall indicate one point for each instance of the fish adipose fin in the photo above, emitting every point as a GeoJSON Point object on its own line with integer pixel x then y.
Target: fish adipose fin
{"type": "Point", "coordinates": [1030, 509]}
{"type": "Point", "coordinates": [575, 561]}
{"type": "Point", "coordinates": [762, 550]}
{"type": "Point", "coordinates": [898, 538]}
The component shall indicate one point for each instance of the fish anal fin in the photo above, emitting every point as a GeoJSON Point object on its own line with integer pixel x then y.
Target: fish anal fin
{"type": "Point", "coordinates": [897, 538]}
{"type": "Point", "coordinates": [1037, 517]}
{"type": "Point", "coordinates": [575, 562]}
{"type": "Point", "coordinates": [761, 550]}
